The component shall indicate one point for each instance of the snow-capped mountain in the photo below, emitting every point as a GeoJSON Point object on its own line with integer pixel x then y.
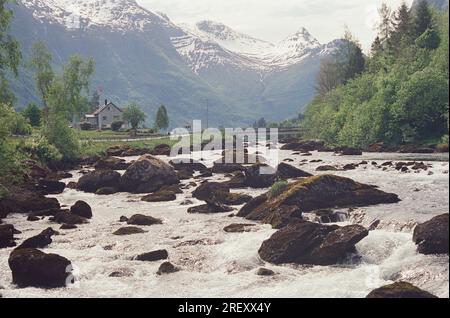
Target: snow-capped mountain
{"type": "Point", "coordinates": [143, 56]}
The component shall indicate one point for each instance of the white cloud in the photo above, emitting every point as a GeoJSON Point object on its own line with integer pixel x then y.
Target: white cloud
{"type": "Point", "coordinates": [274, 20]}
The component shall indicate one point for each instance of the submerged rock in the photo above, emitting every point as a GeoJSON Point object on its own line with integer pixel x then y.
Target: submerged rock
{"type": "Point", "coordinates": [238, 228]}
{"type": "Point", "coordinates": [33, 268]}
{"type": "Point", "coordinates": [128, 230]}
{"type": "Point", "coordinates": [304, 145]}
{"type": "Point", "coordinates": [160, 196]}
{"type": "Point", "coordinates": [265, 272]}
{"type": "Point", "coordinates": [139, 219]}
{"type": "Point", "coordinates": [432, 236]}
{"type": "Point", "coordinates": [399, 290]}
{"type": "Point", "coordinates": [148, 174]}
{"type": "Point", "coordinates": [153, 256]}
{"type": "Point", "coordinates": [106, 191]}
{"type": "Point", "coordinates": [7, 239]}
{"type": "Point", "coordinates": [210, 208]}
{"type": "Point", "coordinates": [311, 243]}
{"type": "Point", "coordinates": [64, 217]}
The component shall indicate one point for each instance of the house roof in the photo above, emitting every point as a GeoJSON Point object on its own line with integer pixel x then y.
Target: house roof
{"type": "Point", "coordinates": [110, 104]}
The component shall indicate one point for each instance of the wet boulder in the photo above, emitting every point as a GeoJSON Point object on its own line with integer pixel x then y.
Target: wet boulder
{"type": "Point", "coordinates": [213, 192]}
{"type": "Point", "coordinates": [49, 186]}
{"type": "Point", "coordinates": [161, 150]}
{"type": "Point", "coordinates": [65, 217]}
{"type": "Point", "coordinates": [148, 174]}
{"type": "Point", "coordinates": [160, 196]}
{"type": "Point", "coordinates": [238, 228]}
{"type": "Point", "coordinates": [82, 209]}
{"type": "Point", "coordinates": [286, 171]}
{"type": "Point", "coordinates": [143, 220]}
{"type": "Point", "coordinates": [33, 268]}
{"type": "Point", "coordinates": [327, 168]}
{"type": "Point", "coordinates": [399, 290]}
{"type": "Point", "coordinates": [152, 256]}
{"type": "Point", "coordinates": [128, 230]}
{"type": "Point", "coordinates": [220, 167]}
{"type": "Point", "coordinates": [187, 165]}
{"type": "Point", "coordinates": [41, 240]}
{"type": "Point", "coordinates": [260, 176]}
{"type": "Point", "coordinates": [315, 193]}
{"type": "Point", "coordinates": [347, 151]}
{"type": "Point", "coordinates": [111, 163]}
{"type": "Point", "coordinates": [432, 236]}
{"type": "Point", "coordinates": [19, 200]}
{"type": "Point", "coordinates": [106, 191]}
{"type": "Point", "coordinates": [210, 208]}
{"type": "Point", "coordinates": [7, 232]}
{"type": "Point", "coordinates": [264, 272]}
{"type": "Point", "coordinates": [311, 243]}
{"type": "Point", "coordinates": [92, 181]}
{"type": "Point", "coordinates": [167, 268]}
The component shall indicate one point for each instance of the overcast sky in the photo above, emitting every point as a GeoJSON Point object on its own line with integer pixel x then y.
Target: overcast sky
{"type": "Point", "coordinates": [274, 20]}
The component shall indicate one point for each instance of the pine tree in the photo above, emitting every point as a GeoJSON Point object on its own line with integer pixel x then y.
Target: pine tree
{"type": "Point", "coordinates": [402, 23]}
{"type": "Point", "coordinates": [162, 118]}
{"type": "Point", "coordinates": [385, 27]}
{"type": "Point", "coordinates": [423, 19]}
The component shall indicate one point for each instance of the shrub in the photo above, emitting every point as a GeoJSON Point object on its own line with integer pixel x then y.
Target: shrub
{"type": "Point", "coordinates": [40, 149]}
{"type": "Point", "coordinates": [85, 126]}
{"type": "Point", "coordinates": [33, 113]}
{"type": "Point", "coordinates": [277, 189]}
{"type": "Point", "coordinates": [59, 134]}
{"type": "Point", "coordinates": [115, 126]}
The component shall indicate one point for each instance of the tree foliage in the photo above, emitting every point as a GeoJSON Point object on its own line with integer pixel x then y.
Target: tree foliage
{"type": "Point", "coordinates": [40, 62]}
{"type": "Point", "coordinates": [134, 116]}
{"type": "Point", "coordinates": [33, 113]}
{"type": "Point", "coordinates": [401, 97]}
{"type": "Point", "coordinates": [162, 118]}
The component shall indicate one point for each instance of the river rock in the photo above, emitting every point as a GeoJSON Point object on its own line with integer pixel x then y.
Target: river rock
{"type": "Point", "coordinates": [347, 151]}
{"type": "Point", "coordinates": [304, 145]}
{"type": "Point", "coordinates": [167, 268]}
{"type": "Point", "coordinates": [143, 220]}
{"type": "Point", "coordinates": [286, 171]}
{"type": "Point", "coordinates": [161, 150]}
{"type": "Point", "coordinates": [48, 186]}
{"type": "Point", "coordinates": [41, 240]}
{"type": "Point", "coordinates": [314, 193]}
{"type": "Point", "coordinates": [220, 167]}
{"type": "Point", "coordinates": [432, 236]}
{"type": "Point", "coordinates": [187, 165]}
{"type": "Point", "coordinates": [238, 228]}
{"type": "Point", "coordinates": [33, 268]}
{"type": "Point", "coordinates": [92, 181]}
{"type": "Point", "coordinates": [148, 174]}
{"type": "Point", "coordinates": [311, 243]}
{"type": "Point", "coordinates": [265, 272]}
{"type": "Point", "coordinates": [260, 176]}
{"type": "Point", "coordinates": [64, 217]}
{"type": "Point", "coordinates": [210, 208]}
{"type": "Point", "coordinates": [128, 230]}
{"type": "Point", "coordinates": [111, 163]}
{"type": "Point", "coordinates": [82, 209]}
{"type": "Point", "coordinates": [106, 191]}
{"type": "Point", "coordinates": [19, 200]}
{"type": "Point", "coordinates": [7, 239]}
{"type": "Point", "coordinates": [399, 290]}
{"type": "Point", "coordinates": [153, 256]}
{"type": "Point", "coordinates": [160, 196]}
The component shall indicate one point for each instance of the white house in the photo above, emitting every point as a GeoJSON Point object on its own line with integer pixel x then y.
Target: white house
{"type": "Point", "coordinates": [105, 115]}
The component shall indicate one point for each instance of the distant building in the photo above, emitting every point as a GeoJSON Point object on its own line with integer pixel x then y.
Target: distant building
{"type": "Point", "coordinates": [105, 115]}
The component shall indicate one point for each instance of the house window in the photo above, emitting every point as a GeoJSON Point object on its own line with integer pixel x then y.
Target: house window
{"type": "Point", "coordinates": [105, 118]}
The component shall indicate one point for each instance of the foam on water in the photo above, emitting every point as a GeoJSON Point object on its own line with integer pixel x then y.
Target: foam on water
{"type": "Point", "coordinates": [215, 263]}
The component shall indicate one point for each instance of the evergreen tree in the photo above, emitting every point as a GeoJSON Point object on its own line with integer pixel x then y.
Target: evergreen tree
{"type": "Point", "coordinates": [402, 24]}
{"type": "Point", "coordinates": [423, 19]}
{"type": "Point", "coordinates": [33, 114]}
{"type": "Point", "coordinates": [162, 118]}
{"type": "Point", "coordinates": [385, 26]}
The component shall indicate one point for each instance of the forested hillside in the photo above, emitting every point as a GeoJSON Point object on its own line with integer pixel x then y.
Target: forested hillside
{"type": "Point", "coordinates": [401, 94]}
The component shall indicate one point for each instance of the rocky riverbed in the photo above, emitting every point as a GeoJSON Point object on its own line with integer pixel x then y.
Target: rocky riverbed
{"type": "Point", "coordinates": [219, 254]}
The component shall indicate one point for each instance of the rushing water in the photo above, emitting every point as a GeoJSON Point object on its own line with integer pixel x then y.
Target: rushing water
{"type": "Point", "coordinates": [215, 263]}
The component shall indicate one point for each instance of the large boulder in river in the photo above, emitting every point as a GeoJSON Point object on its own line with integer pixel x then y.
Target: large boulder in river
{"type": "Point", "coordinates": [260, 176]}
{"type": "Point", "coordinates": [19, 200]}
{"type": "Point", "coordinates": [33, 268]}
{"type": "Point", "coordinates": [315, 193]}
{"type": "Point", "coordinates": [92, 181]}
{"type": "Point", "coordinates": [304, 145]}
{"type": "Point", "coordinates": [49, 186]}
{"type": "Point", "coordinates": [82, 209]}
{"type": "Point", "coordinates": [161, 150]}
{"type": "Point", "coordinates": [219, 193]}
{"type": "Point", "coordinates": [311, 243]}
{"type": "Point", "coordinates": [148, 174]}
{"type": "Point", "coordinates": [431, 237]}
{"type": "Point", "coordinates": [399, 290]}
